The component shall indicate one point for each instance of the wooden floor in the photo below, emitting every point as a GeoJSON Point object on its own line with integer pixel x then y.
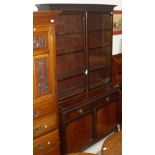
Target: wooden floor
{"type": "Point", "coordinates": [113, 145]}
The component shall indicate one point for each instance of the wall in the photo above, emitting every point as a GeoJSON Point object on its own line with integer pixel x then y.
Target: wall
{"type": "Point", "coordinates": [116, 38]}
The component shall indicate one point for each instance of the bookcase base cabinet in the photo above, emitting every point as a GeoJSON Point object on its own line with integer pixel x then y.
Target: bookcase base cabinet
{"type": "Point", "coordinates": [86, 123]}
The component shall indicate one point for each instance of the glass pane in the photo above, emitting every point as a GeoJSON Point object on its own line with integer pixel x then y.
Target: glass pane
{"type": "Point", "coordinates": [99, 22]}
{"type": "Point", "coordinates": [70, 87]}
{"type": "Point", "coordinates": [99, 57]}
{"type": "Point", "coordinates": [70, 65]}
{"type": "Point", "coordinates": [69, 43]}
{"type": "Point", "coordinates": [107, 38]}
{"type": "Point", "coordinates": [69, 24]}
{"type": "Point", "coordinates": [99, 77]}
{"type": "Point", "coordinates": [95, 39]}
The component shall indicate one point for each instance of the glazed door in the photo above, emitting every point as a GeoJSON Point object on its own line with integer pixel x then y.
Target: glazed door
{"type": "Point", "coordinates": [70, 53]}
{"type": "Point", "coordinates": [99, 48]}
{"type": "Point", "coordinates": [43, 74]}
{"type": "Point", "coordinates": [79, 133]}
{"type": "Point", "coordinates": [106, 118]}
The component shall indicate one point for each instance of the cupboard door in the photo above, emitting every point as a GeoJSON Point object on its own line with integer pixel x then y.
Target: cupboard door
{"type": "Point", "coordinates": [70, 53]}
{"type": "Point", "coordinates": [43, 64]}
{"type": "Point", "coordinates": [79, 133]}
{"type": "Point", "coordinates": [106, 118]}
{"type": "Point", "coordinates": [99, 49]}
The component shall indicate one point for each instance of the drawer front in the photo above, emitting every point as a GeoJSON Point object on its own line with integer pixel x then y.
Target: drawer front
{"type": "Point", "coordinates": [107, 99]}
{"type": "Point", "coordinates": [78, 111]}
{"type": "Point", "coordinates": [54, 151]}
{"type": "Point", "coordinates": [45, 142]}
{"type": "Point", "coordinates": [44, 125]}
{"type": "Point", "coordinates": [43, 109]}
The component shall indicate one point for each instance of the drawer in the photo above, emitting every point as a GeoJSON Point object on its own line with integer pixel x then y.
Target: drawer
{"type": "Point", "coordinates": [45, 142]}
{"type": "Point", "coordinates": [78, 111]}
{"type": "Point", "coordinates": [54, 151]}
{"type": "Point", "coordinates": [44, 125]}
{"type": "Point", "coordinates": [107, 99]}
{"type": "Point", "coordinates": [43, 109]}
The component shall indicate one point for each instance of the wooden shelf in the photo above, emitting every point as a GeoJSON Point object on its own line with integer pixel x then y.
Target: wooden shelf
{"type": "Point", "coordinates": [89, 31]}
{"type": "Point", "coordinates": [98, 83]}
{"type": "Point", "coordinates": [97, 67]}
{"type": "Point", "coordinates": [99, 46]}
{"type": "Point", "coordinates": [70, 92]}
{"type": "Point", "coordinates": [68, 51]}
{"type": "Point", "coordinates": [69, 33]}
{"type": "Point", "coordinates": [71, 75]}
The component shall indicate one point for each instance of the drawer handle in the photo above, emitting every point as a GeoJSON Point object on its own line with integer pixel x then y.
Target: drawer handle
{"type": "Point", "coordinates": [48, 142]}
{"type": "Point", "coordinates": [36, 114]}
{"type": "Point", "coordinates": [45, 126]}
{"type": "Point", "coordinates": [37, 129]}
{"type": "Point", "coordinates": [107, 99]}
{"type": "Point", "coordinates": [80, 111]}
{"type": "Point", "coordinates": [52, 20]}
{"type": "Point", "coordinates": [41, 146]}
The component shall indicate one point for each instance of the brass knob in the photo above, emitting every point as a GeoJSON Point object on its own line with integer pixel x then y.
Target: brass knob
{"type": "Point", "coordinates": [36, 114]}
{"type": "Point", "coordinates": [45, 126]}
{"type": "Point", "coordinates": [107, 99]}
{"type": "Point", "coordinates": [48, 142]}
{"type": "Point", "coordinates": [52, 20]}
{"type": "Point", "coordinates": [80, 111]}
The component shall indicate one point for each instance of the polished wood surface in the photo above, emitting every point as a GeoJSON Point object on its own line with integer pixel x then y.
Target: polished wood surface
{"type": "Point", "coordinates": [113, 144]}
{"type": "Point", "coordinates": [45, 142]}
{"type": "Point", "coordinates": [79, 133]}
{"type": "Point", "coordinates": [106, 118]}
{"type": "Point", "coordinates": [82, 43]}
{"type": "Point", "coordinates": [45, 124]}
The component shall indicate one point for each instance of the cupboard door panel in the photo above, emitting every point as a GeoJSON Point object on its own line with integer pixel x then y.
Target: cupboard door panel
{"type": "Point", "coordinates": [79, 133]}
{"type": "Point", "coordinates": [43, 63]}
{"type": "Point", "coordinates": [106, 118]}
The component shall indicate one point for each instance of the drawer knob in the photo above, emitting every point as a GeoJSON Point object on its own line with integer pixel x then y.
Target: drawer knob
{"type": "Point", "coordinates": [80, 111]}
{"type": "Point", "coordinates": [37, 129]}
{"type": "Point", "coordinates": [45, 126]}
{"type": "Point", "coordinates": [48, 142]}
{"type": "Point", "coordinates": [36, 114]}
{"type": "Point", "coordinates": [40, 146]}
{"type": "Point", "coordinates": [34, 29]}
{"type": "Point", "coordinates": [52, 20]}
{"type": "Point", "coordinates": [107, 99]}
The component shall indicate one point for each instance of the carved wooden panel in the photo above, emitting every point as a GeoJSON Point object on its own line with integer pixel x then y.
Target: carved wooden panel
{"type": "Point", "coordinates": [39, 41]}
{"type": "Point", "coordinates": [42, 79]}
